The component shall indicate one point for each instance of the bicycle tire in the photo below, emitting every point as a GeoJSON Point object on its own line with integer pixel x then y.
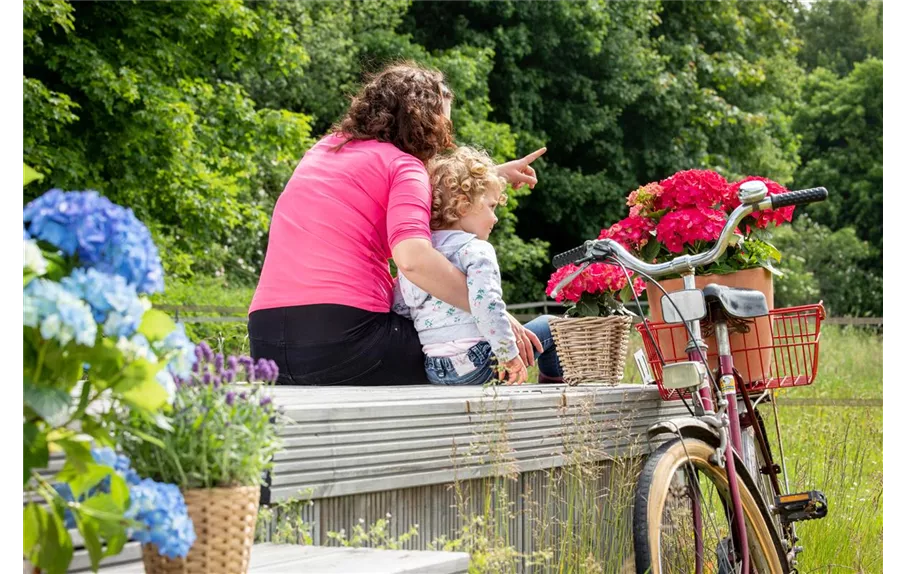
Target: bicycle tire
{"type": "Point", "coordinates": [766, 552]}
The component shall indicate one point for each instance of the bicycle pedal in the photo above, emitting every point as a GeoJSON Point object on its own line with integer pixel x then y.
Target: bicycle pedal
{"type": "Point", "coordinates": [801, 506]}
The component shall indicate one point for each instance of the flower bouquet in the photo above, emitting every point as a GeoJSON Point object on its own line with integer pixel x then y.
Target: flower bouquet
{"type": "Point", "coordinates": [220, 440]}
{"type": "Point", "coordinates": [592, 340]}
{"type": "Point", "coordinates": [684, 215]}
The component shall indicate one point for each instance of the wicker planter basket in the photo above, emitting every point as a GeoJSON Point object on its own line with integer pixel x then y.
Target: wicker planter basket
{"type": "Point", "coordinates": [592, 349]}
{"type": "Point", "coordinates": [224, 520]}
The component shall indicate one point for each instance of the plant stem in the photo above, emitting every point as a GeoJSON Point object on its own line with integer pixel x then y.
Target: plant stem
{"type": "Point", "coordinates": [41, 352]}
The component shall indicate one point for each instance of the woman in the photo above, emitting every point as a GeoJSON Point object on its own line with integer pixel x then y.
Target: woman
{"type": "Point", "coordinates": [357, 198]}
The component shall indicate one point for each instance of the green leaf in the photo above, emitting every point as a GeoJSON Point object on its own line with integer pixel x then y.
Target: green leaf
{"type": "Point", "coordinates": [50, 403]}
{"type": "Point", "coordinates": [104, 507]}
{"type": "Point", "coordinates": [90, 531]}
{"type": "Point", "coordinates": [30, 175]}
{"type": "Point", "coordinates": [35, 453]}
{"type": "Point", "coordinates": [626, 293]}
{"type": "Point", "coordinates": [107, 512]}
{"type": "Point", "coordinates": [98, 432]}
{"type": "Point", "coordinates": [135, 374]}
{"type": "Point", "coordinates": [587, 308]}
{"type": "Point", "coordinates": [119, 490]}
{"type": "Point", "coordinates": [115, 542]}
{"type": "Point", "coordinates": [650, 250]}
{"type": "Point", "coordinates": [147, 395]}
{"type": "Point", "coordinates": [81, 481]}
{"type": "Point", "coordinates": [156, 325]}
{"type": "Point", "coordinates": [106, 362]}
{"type": "Point", "coordinates": [78, 453]}
{"type": "Point", "coordinates": [772, 251]}
{"type": "Point", "coordinates": [47, 543]}
{"type": "Point", "coordinates": [147, 437]}
{"type": "Point", "coordinates": [774, 271]}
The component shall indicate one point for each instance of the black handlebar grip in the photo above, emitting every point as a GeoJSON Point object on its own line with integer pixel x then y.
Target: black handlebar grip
{"type": "Point", "coordinates": [568, 257]}
{"type": "Point", "coordinates": [800, 197]}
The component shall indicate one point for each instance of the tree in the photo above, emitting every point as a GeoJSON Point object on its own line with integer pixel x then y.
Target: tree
{"type": "Point", "coordinates": [145, 102]}
{"type": "Point", "coordinates": [837, 35]}
{"type": "Point", "coordinates": [626, 93]}
{"type": "Point", "coordinates": [819, 263]}
{"type": "Point", "coordinates": [841, 126]}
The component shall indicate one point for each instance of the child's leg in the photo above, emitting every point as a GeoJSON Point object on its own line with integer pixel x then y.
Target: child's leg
{"type": "Point", "coordinates": [549, 365]}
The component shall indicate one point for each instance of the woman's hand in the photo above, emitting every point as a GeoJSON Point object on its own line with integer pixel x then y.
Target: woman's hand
{"type": "Point", "coordinates": [525, 341]}
{"type": "Point", "coordinates": [513, 372]}
{"type": "Point", "coordinates": [518, 172]}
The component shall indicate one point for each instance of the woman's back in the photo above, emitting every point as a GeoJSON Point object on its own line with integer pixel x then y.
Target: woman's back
{"type": "Point", "coordinates": [335, 223]}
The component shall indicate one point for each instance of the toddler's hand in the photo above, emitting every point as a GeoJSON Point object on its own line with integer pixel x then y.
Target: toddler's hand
{"type": "Point", "coordinates": [513, 372]}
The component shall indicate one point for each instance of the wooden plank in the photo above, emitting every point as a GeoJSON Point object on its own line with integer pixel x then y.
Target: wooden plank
{"type": "Point", "coordinates": [355, 440]}
{"type": "Point", "coordinates": [285, 559]}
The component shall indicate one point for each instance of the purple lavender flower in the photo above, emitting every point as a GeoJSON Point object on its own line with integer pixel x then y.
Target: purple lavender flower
{"type": "Point", "coordinates": [207, 353]}
{"type": "Point", "coordinates": [232, 362]}
{"type": "Point", "coordinates": [231, 398]}
{"type": "Point", "coordinates": [219, 362]}
{"type": "Point", "coordinates": [248, 366]}
{"type": "Point", "coordinates": [206, 378]}
{"type": "Point", "coordinates": [263, 369]}
{"type": "Point", "coordinates": [229, 376]}
{"type": "Point", "coordinates": [265, 401]}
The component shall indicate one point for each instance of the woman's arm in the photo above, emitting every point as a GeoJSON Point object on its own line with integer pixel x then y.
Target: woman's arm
{"type": "Point", "coordinates": [429, 270]}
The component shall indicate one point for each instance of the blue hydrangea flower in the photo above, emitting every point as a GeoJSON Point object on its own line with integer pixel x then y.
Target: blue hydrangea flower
{"type": "Point", "coordinates": [102, 234]}
{"type": "Point", "coordinates": [64, 490]}
{"type": "Point", "coordinates": [58, 314]}
{"type": "Point", "coordinates": [159, 507]}
{"type": "Point", "coordinates": [185, 357]}
{"type": "Point", "coordinates": [162, 509]}
{"type": "Point", "coordinates": [118, 462]}
{"type": "Point", "coordinates": [114, 303]}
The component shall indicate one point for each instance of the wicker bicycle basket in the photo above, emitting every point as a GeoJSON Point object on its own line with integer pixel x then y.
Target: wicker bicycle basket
{"type": "Point", "coordinates": [592, 349]}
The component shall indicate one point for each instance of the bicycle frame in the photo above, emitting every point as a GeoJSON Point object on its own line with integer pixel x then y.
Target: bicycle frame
{"type": "Point", "coordinates": [727, 402]}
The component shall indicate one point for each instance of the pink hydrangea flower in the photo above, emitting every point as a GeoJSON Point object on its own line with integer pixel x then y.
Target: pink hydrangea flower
{"type": "Point", "coordinates": [699, 188]}
{"type": "Point", "coordinates": [763, 218]}
{"type": "Point", "coordinates": [596, 279]}
{"type": "Point", "coordinates": [632, 232]}
{"type": "Point", "coordinates": [686, 226]}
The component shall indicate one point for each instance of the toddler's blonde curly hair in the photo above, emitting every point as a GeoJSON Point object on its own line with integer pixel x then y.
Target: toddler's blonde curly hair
{"type": "Point", "coordinates": [459, 179]}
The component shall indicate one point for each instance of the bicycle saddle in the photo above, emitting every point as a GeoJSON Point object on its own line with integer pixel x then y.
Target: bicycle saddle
{"type": "Point", "coordinates": [737, 303]}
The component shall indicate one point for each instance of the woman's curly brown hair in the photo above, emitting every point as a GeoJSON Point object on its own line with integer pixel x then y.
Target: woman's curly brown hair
{"type": "Point", "coordinates": [404, 105]}
{"type": "Point", "coordinates": [458, 181]}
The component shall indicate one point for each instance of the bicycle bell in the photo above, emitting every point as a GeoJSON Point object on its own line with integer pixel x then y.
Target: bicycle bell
{"type": "Point", "coordinates": [752, 192]}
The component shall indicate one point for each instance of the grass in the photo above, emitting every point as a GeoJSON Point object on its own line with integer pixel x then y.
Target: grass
{"type": "Point", "coordinates": [838, 450]}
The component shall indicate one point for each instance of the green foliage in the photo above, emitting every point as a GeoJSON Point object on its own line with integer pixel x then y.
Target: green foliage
{"type": "Point", "coordinates": [838, 35]}
{"type": "Point", "coordinates": [167, 126]}
{"type": "Point", "coordinates": [841, 126]}
{"type": "Point", "coordinates": [835, 264]}
{"type": "Point", "coordinates": [195, 113]}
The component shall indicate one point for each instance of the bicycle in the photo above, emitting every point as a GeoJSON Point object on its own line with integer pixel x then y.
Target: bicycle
{"type": "Point", "coordinates": [698, 507]}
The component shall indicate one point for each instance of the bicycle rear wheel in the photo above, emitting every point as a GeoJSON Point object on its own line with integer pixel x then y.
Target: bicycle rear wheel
{"type": "Point", "coordinates": [682, 516]}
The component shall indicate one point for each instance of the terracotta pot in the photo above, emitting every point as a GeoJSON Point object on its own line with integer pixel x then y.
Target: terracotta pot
{"type": "Point", "coordinates": [755, 364]}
